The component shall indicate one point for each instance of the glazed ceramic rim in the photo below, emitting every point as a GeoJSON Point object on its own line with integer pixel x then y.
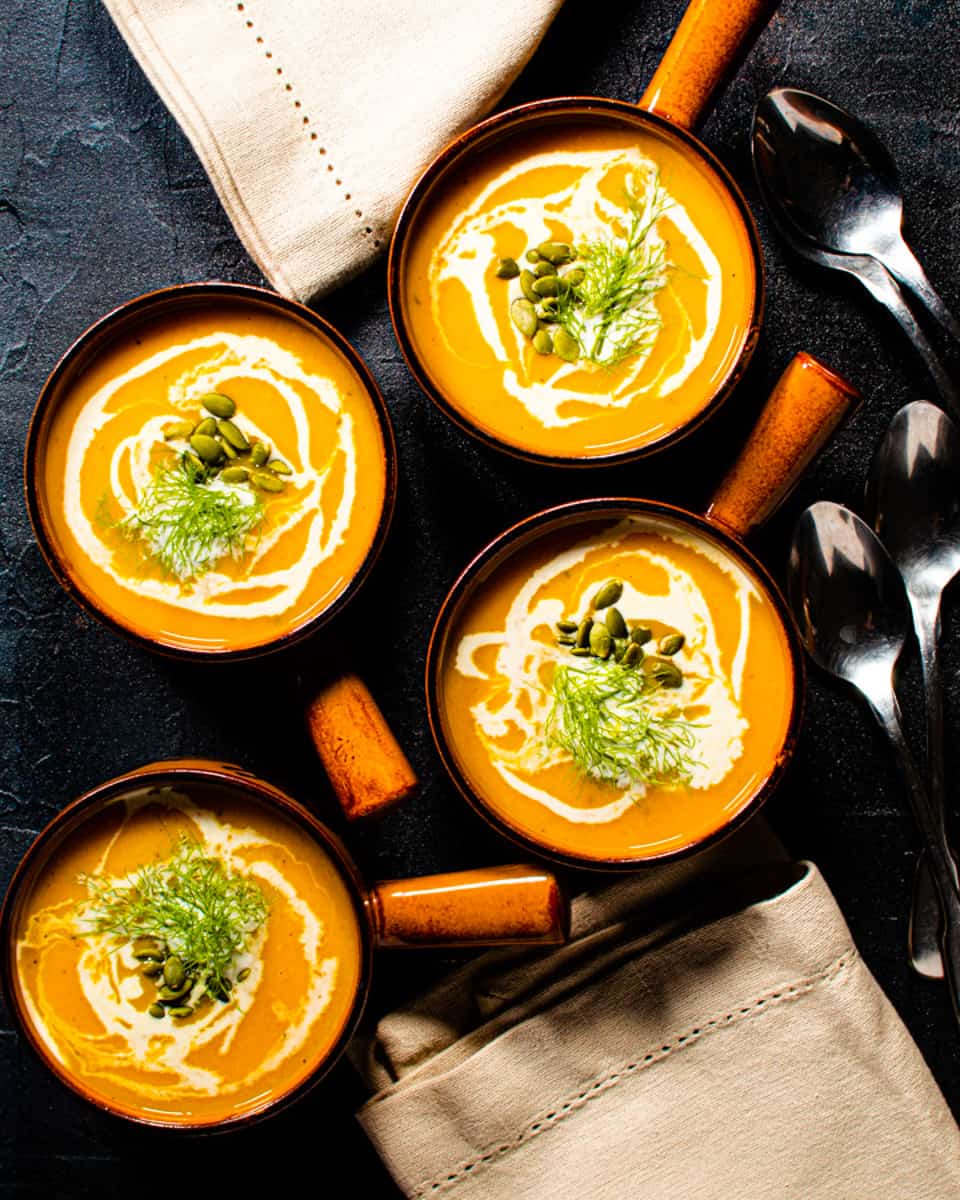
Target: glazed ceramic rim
{"type": "Point", "coordinates": [474, 140]}
{"type": "Point", "coordinates": [137, 309]}
{"type": "Point", "coordinates": [182, 772]}
{"type": "Point", "coordinates": [527, 531]}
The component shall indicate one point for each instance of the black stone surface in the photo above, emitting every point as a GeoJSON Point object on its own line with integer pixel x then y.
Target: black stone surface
{"type": "Point", "coordinates": [101, 198]}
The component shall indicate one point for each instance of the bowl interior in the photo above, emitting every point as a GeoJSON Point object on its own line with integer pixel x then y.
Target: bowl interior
{"type": "Point", "coordinates": [525, 741]}
{"type": "Point", "coordinates": [451, 312]}
{"type": "Point", "coordinates": [125, 384]}
{"type": "Point", "coordinates": [283, 1024]}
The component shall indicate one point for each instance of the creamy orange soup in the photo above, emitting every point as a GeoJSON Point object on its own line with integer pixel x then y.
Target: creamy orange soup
{"type": "Point", "coordinates": [87, 1000]}
{"type": "Point", "coordinates": [110, 434]}
{"type": "Point", "coordinates": [570, 184]}
{"type": "Point", "coordinates": [502, 706]}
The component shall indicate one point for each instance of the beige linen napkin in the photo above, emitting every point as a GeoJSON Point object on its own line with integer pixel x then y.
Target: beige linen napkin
{"type": "Point", "coordinates": [314, 119]}
{"type": "Point", "coordinates": [740, 1052]}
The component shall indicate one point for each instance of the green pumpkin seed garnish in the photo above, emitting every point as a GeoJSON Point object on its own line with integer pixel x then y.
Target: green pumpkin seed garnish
{"type": "Point", "coordinates": [157, 1011]}
{"type": "Point", "coordinates": [615, 623]}
{"type": "Point", "coordinates": [566, 639]}
{"type": "Point", "coordinates": [556, 252]}
{"type": "Point", "coordinates": [641, 634]}
{"type": "Point", "coordinates": [149, 949]}
{"type": "Point", "coordinates": [549, 285]}
{"type": "Point", "coordinates": [229, 450]}
{"type": "Point", "coordinates": [609, 594]}
{"type": "Point", "coordinates": [508, 269]}
{"type": "Point", "coordinates": [526, 286]}
{"type": "Point", "coordinates": [243, 975]}
{"type": "Point", "coordinates": [206, 448]}
{"type": "Point", "coordinates": [633, 655]}
{"type": "Point", "coordinates": [575, 277]}
{"type": "Point", "coordinates": [547, 312]}
{"type": "Point", "coordinates": [619, 648]}
{"type": "Point", "coordinates": [180, 1010]}
{"type": "Point", "coordinates": [566, 346]}
{"type": "Point", "coordinates": [583, 631]}
{"type": "Point", "coordinates": [532, 256]}
{"type": "Point", "coordinates": [218, 404]}
{"type": "Point", "coordinates": [279, 467]}
{"type": "Point", "coordinates": [671, 644]}
{"type": "Point", "coordinates": [543, 269]}
{"type": "Point", "coordinates": [168, 995]}
{"type": "Point", "coordinates": [266, 481]}
{"type": "Point", "coordinates": [193, 466]}
{"type": "Point", "coordinates": [235, 475]}
{"type": "Point", "coordinates": [179, 429]}
{"type": "Point", "coordinates": [567, 626]}
{"type": "Point", "coordinates": [542, 342]}
{"type": "Point", "coordinates": [260, 453]}
{"type": "Point", "coordinates": [582, 651]}
{"type": "Point", "coordinates": [601, 643]}
{"type": "Point", "coordinates": [152, 970]}
{"type": "Point", "coordinates": [207, 427]}
{"type": "Point", "coordinates": [666, 673]}
{"type": "Point", "coordinates": [230, 433]}
{"type": "Point", "coordinates": [524, 316]}
{"type": "Point", "coordinates": [173, 973]}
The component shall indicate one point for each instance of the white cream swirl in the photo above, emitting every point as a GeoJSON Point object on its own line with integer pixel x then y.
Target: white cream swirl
{"type": "Point", "coordinates": [259, 591]}
{"type": "Point", "coordinates": [520, 696]}
{"type": "Point", "coordinates": [585, 209]}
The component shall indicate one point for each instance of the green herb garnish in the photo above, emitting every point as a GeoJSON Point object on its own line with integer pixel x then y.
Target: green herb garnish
{"type": "Point", "coordinates": [189, 523]}
{"type": "Point", "coordinates": [190, 903]}
{"type": "Point", "coordinates": [603, 717]}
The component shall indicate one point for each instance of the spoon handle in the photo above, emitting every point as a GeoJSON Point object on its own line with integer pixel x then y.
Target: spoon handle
{"type": "Point", "coordinates": [883, 289]}
{"type": "Point", "coordinates": [900, 261]}
{"type": "Point", "coordinates": [942, 868]}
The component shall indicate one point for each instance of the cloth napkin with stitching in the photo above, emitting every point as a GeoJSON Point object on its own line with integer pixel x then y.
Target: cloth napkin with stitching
{"type": "Point", "coordinates": [313, 120]}
{"type": "Point", "coordinates": [710, 1032]}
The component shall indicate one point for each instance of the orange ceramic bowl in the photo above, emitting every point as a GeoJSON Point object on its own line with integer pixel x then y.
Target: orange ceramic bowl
{"type": "Point", "coordinates": [83, 1009]}
{"type": "Point", "coordinates": [298, 384]}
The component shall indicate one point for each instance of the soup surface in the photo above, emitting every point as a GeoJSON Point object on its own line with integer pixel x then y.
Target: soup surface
{"type": "Point", "coordinates": [99, 1000]}
{"type": "Point", "coordinates": [616, 690]}
{"type": "Point", "coordinates": [657, 287]}
{"type": "Point", "coordinates": [235, 550]}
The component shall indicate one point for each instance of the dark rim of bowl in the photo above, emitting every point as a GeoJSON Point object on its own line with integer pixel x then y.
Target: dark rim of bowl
{"type": "Point", "coordinates": [138, 308]}
{"type": "Point", "coordinates": [182, 772]}
{"type": "Point", "coordinates": [488, 131]}
{"type": "Point", "coordinates": [499, 550]}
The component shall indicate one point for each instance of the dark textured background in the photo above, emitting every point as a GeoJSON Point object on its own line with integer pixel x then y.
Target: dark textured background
{"type": "Point", "coordinates": [102, 198]}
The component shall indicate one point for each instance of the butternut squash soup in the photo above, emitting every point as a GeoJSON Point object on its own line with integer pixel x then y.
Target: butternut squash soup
{"type": "Point", "coordinates": [579, 291]}
{"type": "Point", "coordinates": [616, 690]}
{"type": "Point", "coordinates": [214, 476]}
{"type": "Point", "coordinates": [187, 959]}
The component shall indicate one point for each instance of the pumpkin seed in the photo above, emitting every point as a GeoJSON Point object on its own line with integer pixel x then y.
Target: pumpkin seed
{"type": "Point", "coordinates": [207, 427]}
{"type": "Point", "coordinates": [547, 312]}
{"type": "Point", "coordinates": [218, 404]}
{"type": "Point", "coordinates": [230, 433]}
{"type": "Point", "coordinates": [632, 655]}
{"type": "Point", "coordinates": [524, 316]}
{"type": "Point", "coordinates": [173, 973]}
{"type": "Point", "coordinates": [235, 475]}
{"type": "Point", "coordinates": [671, 643]}
{"type": "Point", "coordinates": [543, 269]}
{"type": "Point", "coordinates": [615, 623]}
{"type": "Point", "coordinates": [244, 974]}
{"type": "Point", "coordinates": [641, 634]}
{"type": "Point", "coordinates": [567, 626]}
{"type": "Point", "coordinates": [260, 453]}
{"type": "Point", "coordinates": [279, 467]}
{"type": "Point", "coordinates": [601, 643]}
{"type": "Point", "coordinates": [180, 1010]}
{"type": "Point", "coordinates": [666, 673]}
{"type": "Point", "coordinates": [583, 631]}
{"type": "Point", "coordinates": [582, 651]}
{"type": "Point", "coordinates": [157, 1010]}
{"type": "Point", "coordinates": [206, 448]}
{"type": "Point", "coordinates": [609, 594]}
{"type": "Point", "coordinates": [549, 285]}
{"type": "Point", "coordinates": [566, 639]}
{"type": "Point", "coordinates": [152, 970]}
{"type": "Point", "coordinates": [149, 947]}
{"type": "Point", "coordinates": [266, 481]}
{"type": "Point", "coordinates": [532, 256]}
{"type": "Point", "coordinates": [542, 342]}
{"type": "Point", "coordinates": [228, 450]}
{"type": "Point", "coordinates": [526, 286]}
{"type": "Point", "coordinates": [575, 277]}
{"type": "Point", "coordinates": [566, 346]}
{"type": "Point", "coordinates": [168, 995]}
{"type": "Point", "coordinates": [556, 252]}
{"type": "Point", "coordinates": [179, 429]}
{"type": "Point", "coordinates": [193, 466]}
{"type": "Point", "coordinates": [508, 269]}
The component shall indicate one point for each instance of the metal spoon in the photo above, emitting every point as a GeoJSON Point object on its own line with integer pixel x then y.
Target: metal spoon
{"type": "Point", "coordinates": [851, 609]}
{"type": "Point", "coordinates": [840, 188]}
{"type": "Point", "coordinates": [913, 502]}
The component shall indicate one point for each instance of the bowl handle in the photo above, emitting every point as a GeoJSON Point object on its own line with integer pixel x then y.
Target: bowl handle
{"type": "Point", "coordinates": [367, 767]}
{"type": "Point", "coordinates": [807, 405]}
{"type": "Point", "coordinates": [711, 41]}
{"type": "Point", "coordinates": [492, 906]}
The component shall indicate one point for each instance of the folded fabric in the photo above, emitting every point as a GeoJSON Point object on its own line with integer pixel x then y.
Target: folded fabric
{"type": "Point", "coordinates": [709, 1033]}
{"type": "Point", "coordinates": [313, 121]}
